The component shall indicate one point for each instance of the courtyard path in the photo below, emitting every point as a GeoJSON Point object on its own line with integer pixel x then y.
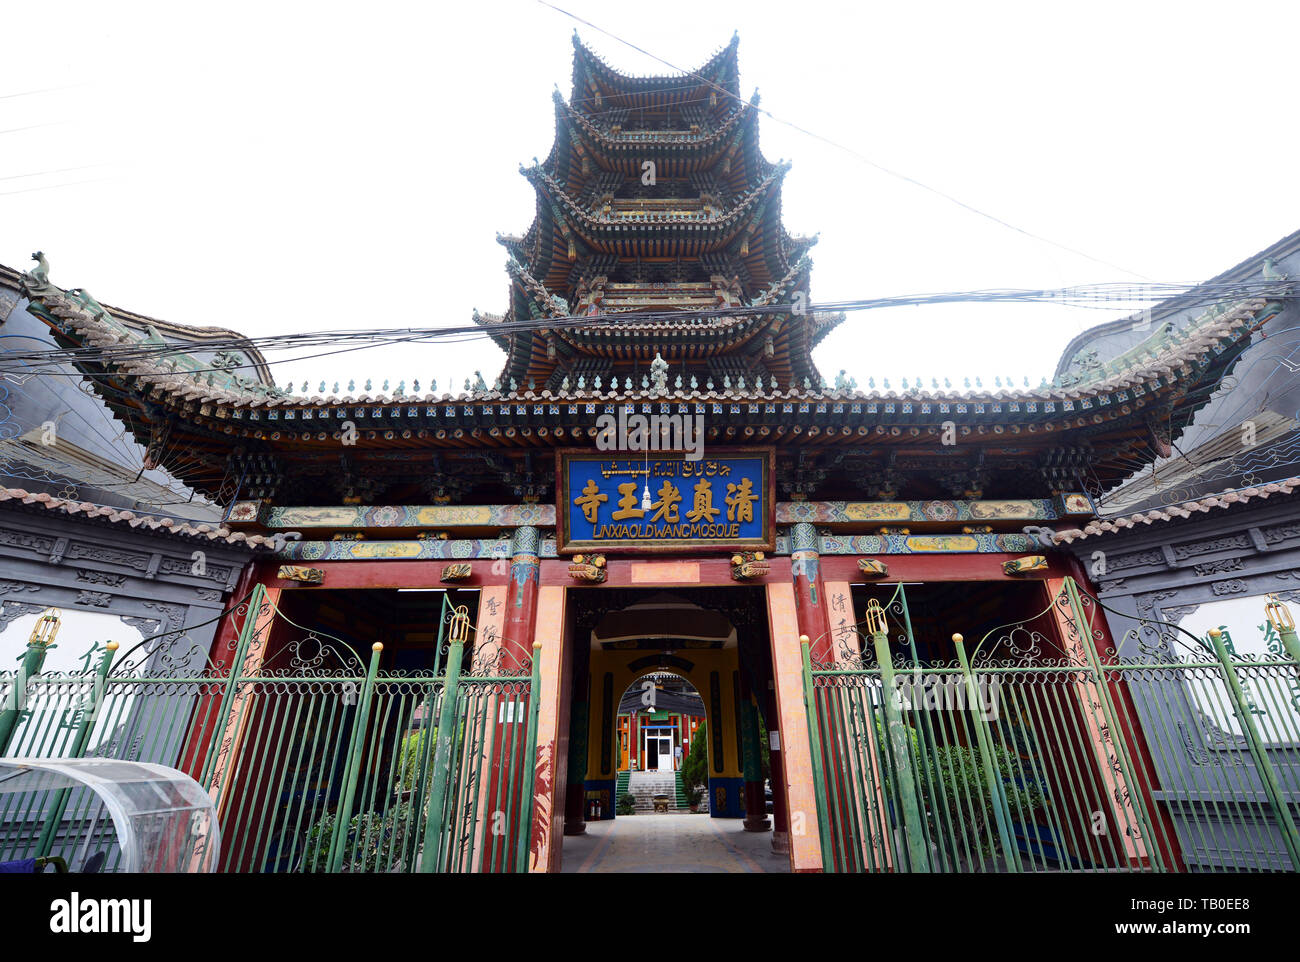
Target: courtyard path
{"type": "Point", "coordinates": [671, 843]}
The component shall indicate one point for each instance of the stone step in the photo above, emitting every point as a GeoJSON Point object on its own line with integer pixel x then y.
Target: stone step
{"type": "Point", "coordinates": [643, 786]}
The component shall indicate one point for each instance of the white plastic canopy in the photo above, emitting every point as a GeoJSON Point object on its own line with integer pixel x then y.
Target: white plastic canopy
{"type": "Point", "coordinates": [164, 820]}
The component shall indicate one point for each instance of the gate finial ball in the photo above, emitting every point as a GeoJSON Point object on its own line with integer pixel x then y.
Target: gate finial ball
{"type": "Point", "coordinates": [804, 640]}
{"type": "Point", "coordinates": [958, 638]}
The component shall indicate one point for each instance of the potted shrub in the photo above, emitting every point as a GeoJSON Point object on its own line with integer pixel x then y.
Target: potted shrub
{"type": "Point", "coordinates": [626, 804]}
{"type": "Point", "coordinates": [694, 795]}
{"type": "Point", "coordinates": [695, 769]}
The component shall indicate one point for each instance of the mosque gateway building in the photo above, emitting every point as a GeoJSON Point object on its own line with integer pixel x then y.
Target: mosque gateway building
{"type": "Point", "coordinates": [661, 565]}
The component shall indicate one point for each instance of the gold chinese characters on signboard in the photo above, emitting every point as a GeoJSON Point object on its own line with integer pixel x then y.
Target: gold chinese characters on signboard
{"type": "Point", "coordinates": [664, 502]}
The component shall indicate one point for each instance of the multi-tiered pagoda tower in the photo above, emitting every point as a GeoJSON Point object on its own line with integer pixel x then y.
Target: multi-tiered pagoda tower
{"type": "Point", "coordinates": [656, 197]}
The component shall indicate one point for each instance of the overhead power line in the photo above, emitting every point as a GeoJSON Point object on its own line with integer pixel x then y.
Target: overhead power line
{"type": "Point", "coordinates": [850, 150]}
{"type": "Point", "coordinates": [1096, 297]}
{"type": "Point", "coordinates": [43, 90]}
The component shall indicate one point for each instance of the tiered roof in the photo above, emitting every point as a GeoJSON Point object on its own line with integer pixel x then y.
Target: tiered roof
{"type": "Point", "coordinates": [1157, 516]}
{"type": "Point", "coordinates": [21, 499]}
{"type": "Point", "coordinates": [655, 197]}
{"type": "Point", "coordinates": [583, 277]}
{"type": "Point", "coordinates": [495, 445]}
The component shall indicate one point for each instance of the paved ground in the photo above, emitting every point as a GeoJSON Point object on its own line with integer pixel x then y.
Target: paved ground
{"type": "Point", "coordinates": [671, 843]}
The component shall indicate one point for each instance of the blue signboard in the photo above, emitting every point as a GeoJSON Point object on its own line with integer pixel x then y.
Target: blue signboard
{"type": "Point", "coordinates": [664, 502]}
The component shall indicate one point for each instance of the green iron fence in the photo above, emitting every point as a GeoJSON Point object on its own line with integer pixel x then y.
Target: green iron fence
{"type": "Point", "coordinates": [1038, 749]}
{"type": "Point", "coordinates": [317, 761]}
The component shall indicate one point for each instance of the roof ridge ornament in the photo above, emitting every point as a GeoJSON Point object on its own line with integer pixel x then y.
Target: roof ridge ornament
{"type": "Point", "coordinates": [36, 282]}
{"type": "Point", "coordinates": [659, 373]}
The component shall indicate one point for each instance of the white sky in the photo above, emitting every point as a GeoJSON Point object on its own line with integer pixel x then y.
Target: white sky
{"type": "Point", "coordinates": [276, 167]}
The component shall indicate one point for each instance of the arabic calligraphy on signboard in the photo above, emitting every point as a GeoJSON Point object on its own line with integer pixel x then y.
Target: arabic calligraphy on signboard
{"type": "Point", "coordinates": [666, 502]}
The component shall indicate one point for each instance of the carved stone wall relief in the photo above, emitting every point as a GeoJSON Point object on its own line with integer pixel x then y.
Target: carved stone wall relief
{"type": "Point", "coordinates": [100, 578]}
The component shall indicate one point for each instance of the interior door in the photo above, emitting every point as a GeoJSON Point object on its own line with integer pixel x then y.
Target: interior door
{"type": "Point", "coordinates": [665, 754]}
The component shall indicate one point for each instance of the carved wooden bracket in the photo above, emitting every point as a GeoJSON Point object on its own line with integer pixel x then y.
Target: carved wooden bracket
{"type": "Point", "coordinates": [873, 568]}
{"type": "Point", "coordinates": [310, 576]}
{"type": "Point", "coordinates": [1020, 566]}
{"type": "Point", "coordinates": [749, 564]}
{"type": "Point", "coordinates": [588, 568]}
{"type": "Point", "coordinates": [457, 572]}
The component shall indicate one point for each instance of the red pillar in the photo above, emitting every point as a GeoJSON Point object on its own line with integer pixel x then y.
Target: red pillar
{"type": "Point", "coordinates": [809, 593]}
{"type": "Point", "coordinates": [780, 814]}
{"type": "Point", "coordinates": [634, 744]}
{"type": "Point", "coordinates": [509, 729]}
{"type": "Point", "coordinates": [203, 720]}
{"type": "Point", "coordinates": [1148, 779]}
{"type": "Point", "coordinates": [521, 601]}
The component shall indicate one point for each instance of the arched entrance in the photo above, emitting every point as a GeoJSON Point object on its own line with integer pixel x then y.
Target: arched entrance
{"type": "Point", "coordinates": [658, 717]}
{"type": "Point", "coordinates": [654, 673]}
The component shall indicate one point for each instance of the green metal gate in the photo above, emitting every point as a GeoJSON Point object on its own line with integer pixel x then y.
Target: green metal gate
{"type": "Point", "coordinates": [1029, 751]}
{"type": "Point", "coordinates": [317, 761]}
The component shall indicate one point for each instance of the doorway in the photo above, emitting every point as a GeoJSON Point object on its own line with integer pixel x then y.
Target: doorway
{"type": "Point", "coordinates": [677, 672]}
{"type": "Point", "coordinates": [658, 750]}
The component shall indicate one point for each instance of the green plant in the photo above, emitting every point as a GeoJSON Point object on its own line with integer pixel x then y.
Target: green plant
{"type": "Point", "coordinates": [411, 755]}
{"type": "Point", "coordinates": [695, 767]}
{"type": "Point", "coordinates": [955, 793]}
{"type": "Point", "coordinates": [957, 774]}
{"type": "Point", "coordinates": [626, 804]}
{"type": "Point", "coordinates": [375, 840]}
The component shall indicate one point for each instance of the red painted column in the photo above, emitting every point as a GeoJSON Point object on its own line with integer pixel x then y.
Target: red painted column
{"type": "Point", "coordinates": [555, 693]}
{"type": "Point", "coordinates": [780, 813]}
{"type": "Point", "coordinates": [521, 601]}
{"type": "Point", "coordinates": [809, 594]}
{"type": "Point", "coordinates": [514, 658]}
{"type": "Point", "coordinates": [221, 655]}
{"type": "Point", "coordinates": [634, 746]}
{"type": "Point", "coordinates": [791, 715]}
{"type": "Point", "coordinates": [1148, 779]}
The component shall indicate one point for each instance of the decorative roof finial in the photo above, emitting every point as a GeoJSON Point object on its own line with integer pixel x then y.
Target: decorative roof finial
{"type": "Point", "coordinates": [37, 281]}
{"type": "Point", "coordinates": [659, 372]}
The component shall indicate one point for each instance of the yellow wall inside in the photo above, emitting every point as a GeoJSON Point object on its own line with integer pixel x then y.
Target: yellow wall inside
{"type": "Point", "coordinates": [703, 661]}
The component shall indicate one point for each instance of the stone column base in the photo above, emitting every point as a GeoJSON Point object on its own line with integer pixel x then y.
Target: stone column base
{"type": "Point", "coordinates": [758, 825]}
{"type": "Point", "coordinates": [781, 843]}
{"type": "Point", "coordinates": [575, 828]}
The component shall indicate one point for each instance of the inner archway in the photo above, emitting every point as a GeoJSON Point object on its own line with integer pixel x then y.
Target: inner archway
{"type": "Point", "coordinates": [657, 676]}
{"type": "Point", "coordinates": [658, 718]}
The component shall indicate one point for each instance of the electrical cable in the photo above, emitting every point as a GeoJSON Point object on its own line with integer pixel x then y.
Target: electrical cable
{"type": "Point", "coordinates": [1100, 297]}
{"type": "Point", "coordinates": [850, 151]}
